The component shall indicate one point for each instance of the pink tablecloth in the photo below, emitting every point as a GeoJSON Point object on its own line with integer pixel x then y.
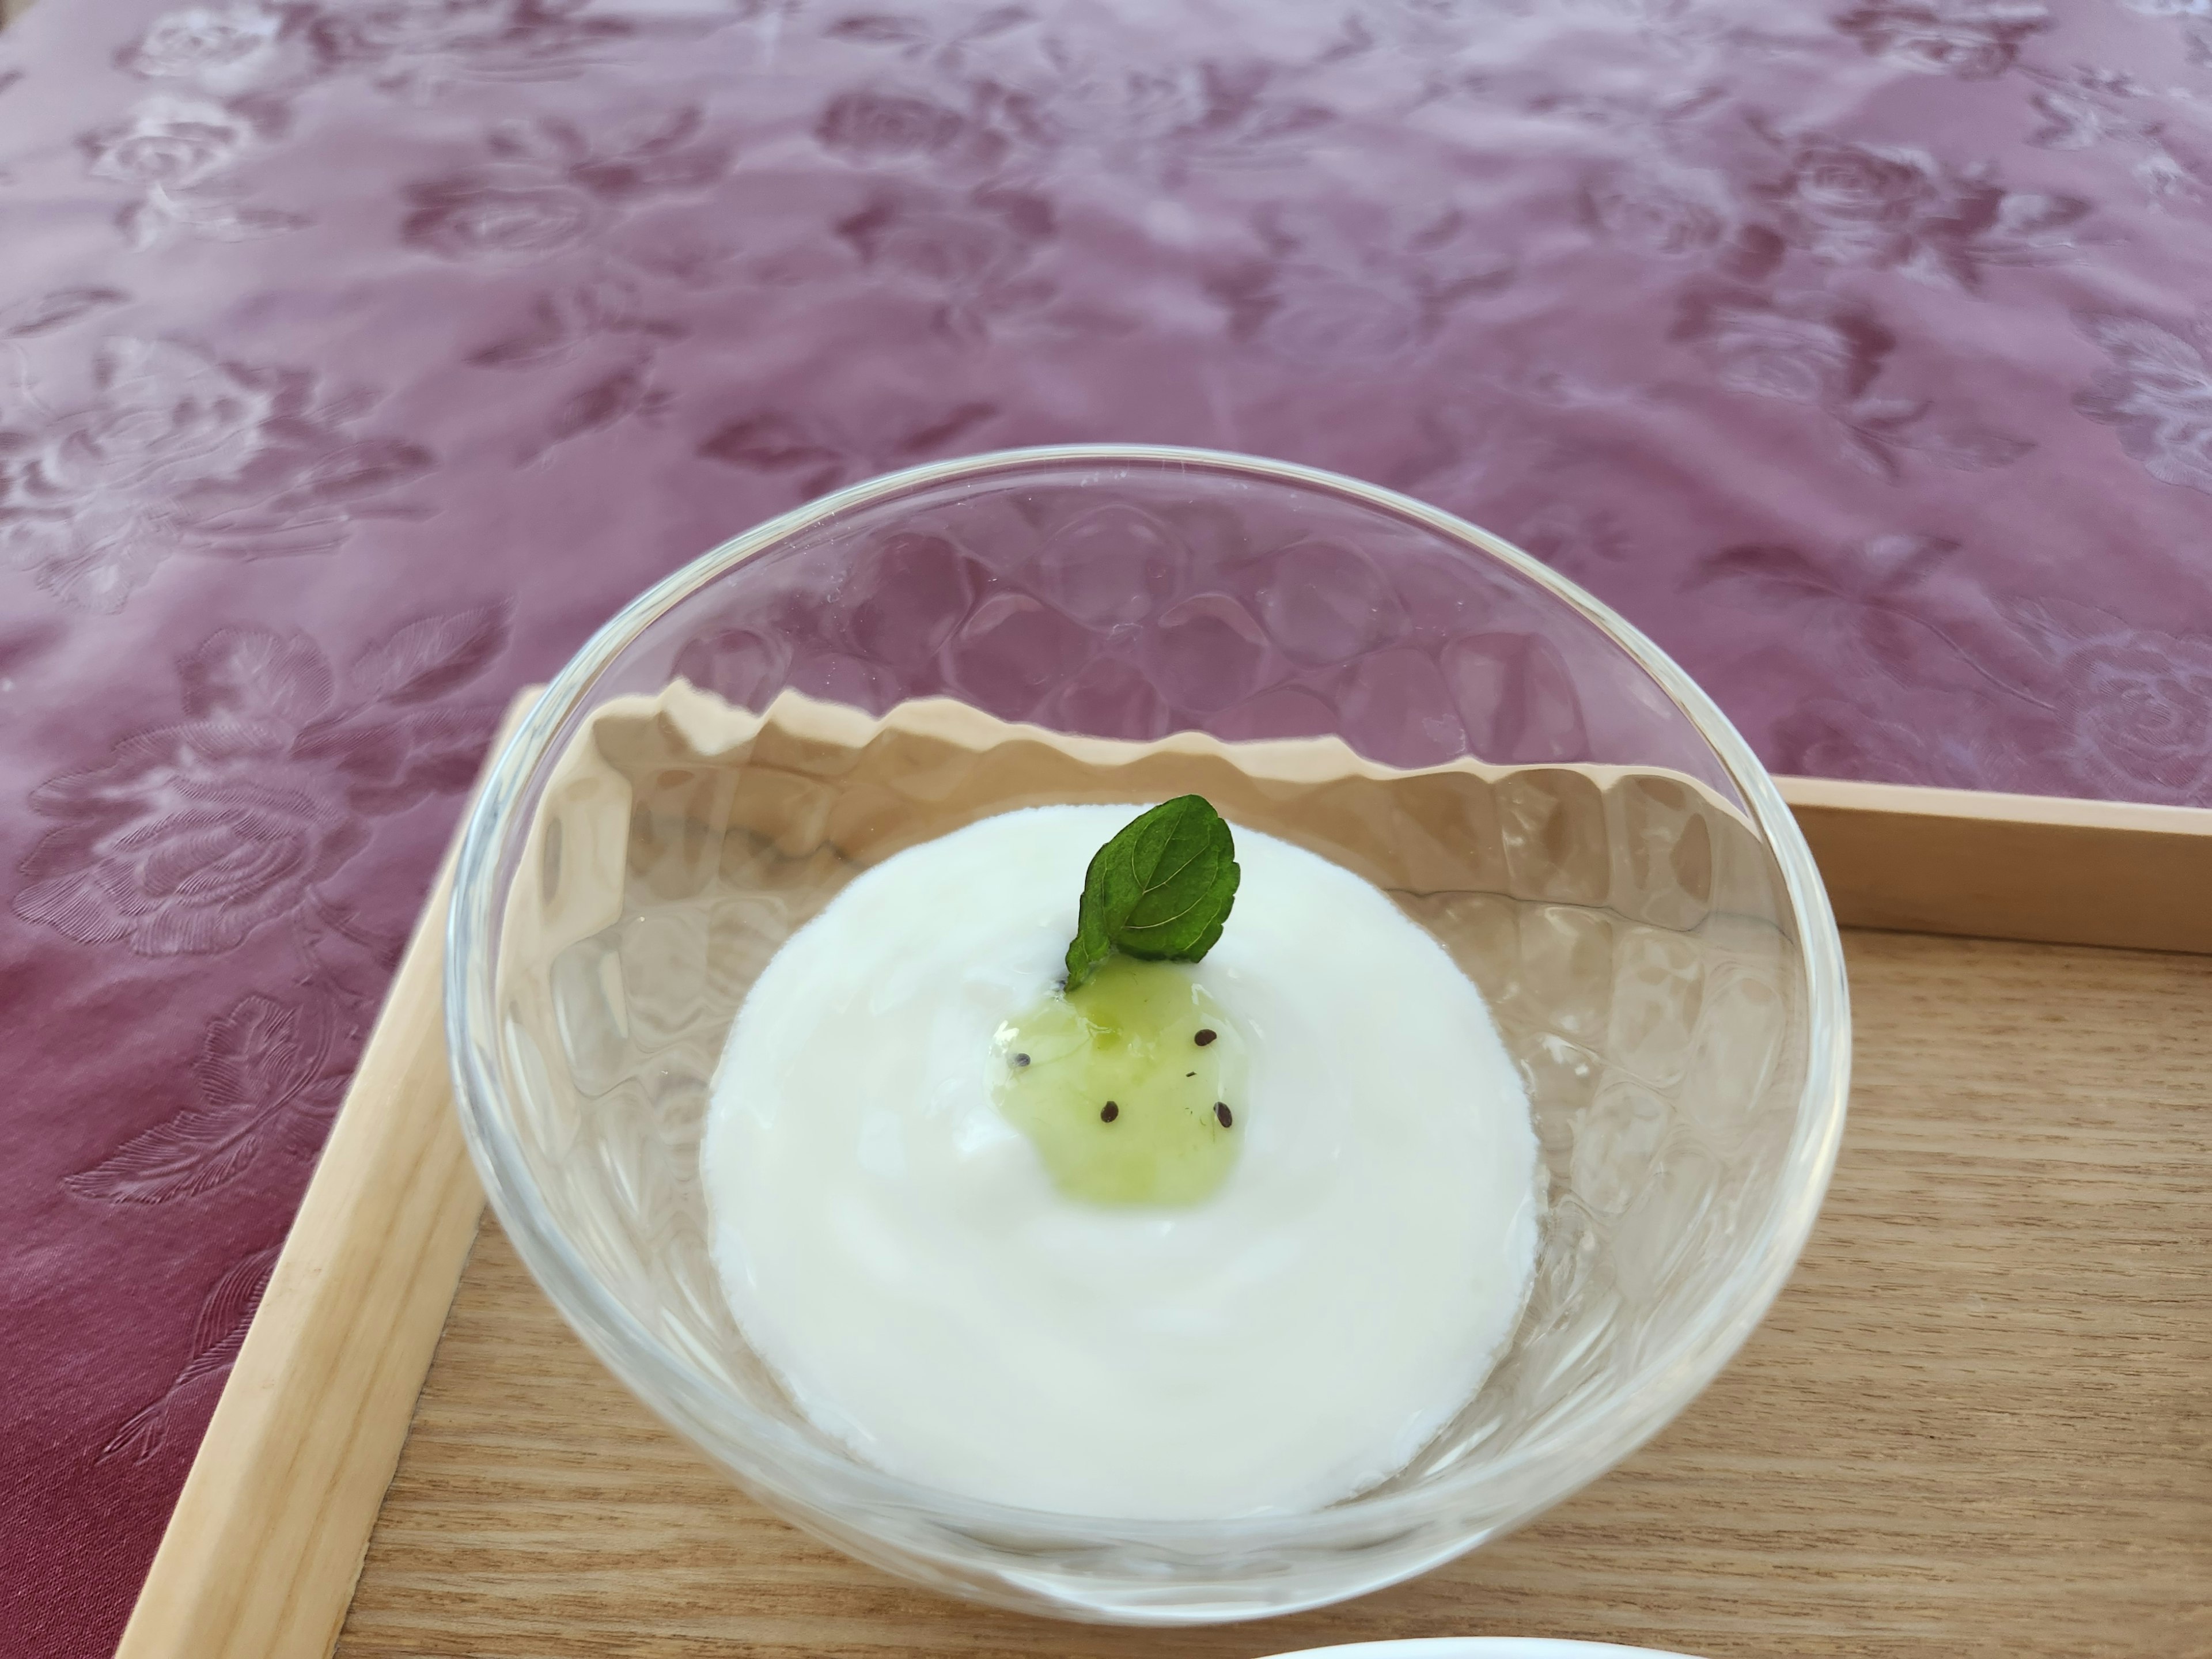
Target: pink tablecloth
{"type": "Point", "coordinates": [359, 357]}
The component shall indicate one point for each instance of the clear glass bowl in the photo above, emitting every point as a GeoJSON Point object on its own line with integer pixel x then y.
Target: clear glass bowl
{"type": "Point", "coordinates": [1610, 864]}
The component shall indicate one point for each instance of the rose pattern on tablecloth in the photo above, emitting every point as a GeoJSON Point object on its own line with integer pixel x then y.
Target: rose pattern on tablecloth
{"type": "Point", "coordinates": [414, 49]}
{"type": "Point", "coordinates": [2029, 688]}
{"type": "Point", "coordinates": [265, 1074]}
{"type": "Point", "coordinates": [419, 48]}
{"type": "Point", "coordinates": [971, 256]}
{"type": "Point", "coordinates": [224, 50]}
{"type": "Point", "coordinates": [1658, 209]}
{"type": "Point", "coordinates": [562, 323]}
{"type": "Point", "coordinates": [1354, 299]}
{"type": "Point", "coordinates": [174, 151]}
{"type": "Point", "coordinates": [818, 455]}
{"type": "Point", "coordinates": [1892, 208]}
{"type": "Point", "coordinates": [1851, 347]}
{"type": "Point", "coordinates": [549, 187]}
{"type": "Point", "coordinates": [1970, 40]}
{"type": "Point", "coordinates": [552, 189]}
{"type": "Point", "coordinates": [2132, 704]}
{"type": "Point", "coordinates": [1809, 348]}
{"type": "Point", "coordinates": [217, 1335]}
{"type": "Point", "coordinates": [178, 451]}
{"type": "Point", "coordinates": [1033, 87]}
{"type": "Point", "coordinates": [2157, 395]}
{"type": "Point", "coordinates": [41, 313]}
{"type": "Point", "coordinates": [2086, 108]}
{"type": "Point", "coordinates": [194, 834]}
{"type": "Point", "coordinates": [1803, 347]}
{"type": "Point", "coordinates": [235, 819]}
{"type": "Point", "coordinates": [877, 128]}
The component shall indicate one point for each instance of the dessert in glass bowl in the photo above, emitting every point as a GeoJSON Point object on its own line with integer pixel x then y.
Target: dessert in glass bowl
{"type": "Point", "coordinates": [1164, 1239]}
{"type": "Point", "coordinates": [1145, 1035]}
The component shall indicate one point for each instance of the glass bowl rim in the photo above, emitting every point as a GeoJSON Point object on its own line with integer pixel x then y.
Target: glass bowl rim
{"type": "Point", "coordinates": [1663, 1383]}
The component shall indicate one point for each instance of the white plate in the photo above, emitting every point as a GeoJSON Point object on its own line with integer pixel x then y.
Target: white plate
{"type": "Point", "coordinates": [1480, 1647]}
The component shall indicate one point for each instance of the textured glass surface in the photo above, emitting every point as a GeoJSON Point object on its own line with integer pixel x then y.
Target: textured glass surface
{"type": "Point", "coordinates": [1534, 784]}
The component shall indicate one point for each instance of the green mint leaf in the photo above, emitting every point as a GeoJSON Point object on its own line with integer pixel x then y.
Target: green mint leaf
{"type": "Point", "coordinates": [1160, 890]}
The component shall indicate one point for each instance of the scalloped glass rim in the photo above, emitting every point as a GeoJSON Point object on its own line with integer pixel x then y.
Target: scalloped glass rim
{"type": "Point", "coordinates": [768, 1454]}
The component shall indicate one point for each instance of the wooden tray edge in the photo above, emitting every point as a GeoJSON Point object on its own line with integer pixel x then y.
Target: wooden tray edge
{"type": "Point", "coordinates": [2031, 867]}
{"type": "Point", "coordinates": [265, 1544]}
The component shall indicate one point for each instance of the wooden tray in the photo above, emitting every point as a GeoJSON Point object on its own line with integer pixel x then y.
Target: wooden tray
{"type": "Point", "coordinates": [1977, 1421]}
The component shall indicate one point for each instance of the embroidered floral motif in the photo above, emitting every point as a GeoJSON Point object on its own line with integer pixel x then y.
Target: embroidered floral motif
{"type": "Point", "coordinates": [549, 187]}
{"type": "Point", "coordinates": [2137, 701]}
{"type": "Point", "coordinates": [2036, 694]}
{"type": "Point", "coordinates": [817, 455]}
{"type": "Point", "coordinates": [1896, 209]}
{"type": "Point", "coordinates": [2157, 395]}
{"type": "Point", "coordinates": [224, 49]}
{"type": "Point", "coordinates": [1801, 348]}
{"type": "Point", "coordinates": [417, 48]}
{"type": "Point", "coordinates": [176, 151]}
{"type": "Point", "coordinates": [1324, 298]}
{"type": "Point", "coordinates": [877, 128]}
{"type": "Point", "coordinates": [1812, 347]}
{"type": "Point", "coordinates": [970, 254]}
{"type": "Point", "coordinates": [266, 1074]}
{"type": "Point", "coordinates": [413, 48]}
{"type": "Point", "coordinates": [1972, 39]}
{"type": "Point", "coordinates": [169, 144]}
{"type": "Point", "coordinates": [182, 452]}
{"type": "Point", "coordinates": [1670, 211]}
{"type": "Point", "coordinates": [225, 1314]}
{"type": "Point", "coordinates": [193, 834]}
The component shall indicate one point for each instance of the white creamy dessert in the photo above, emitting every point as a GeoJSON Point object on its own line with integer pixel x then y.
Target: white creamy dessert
{"type": "Point", "coordinates": [895, 1247]}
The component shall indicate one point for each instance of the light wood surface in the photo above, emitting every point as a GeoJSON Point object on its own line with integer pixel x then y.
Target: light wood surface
{"type": "Point", "coordinates": [1988, 866]}
{"type": "Point", "coordinates": [260, 1554]}
{"type": "Point", "coordinates": [1978, 1421]}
